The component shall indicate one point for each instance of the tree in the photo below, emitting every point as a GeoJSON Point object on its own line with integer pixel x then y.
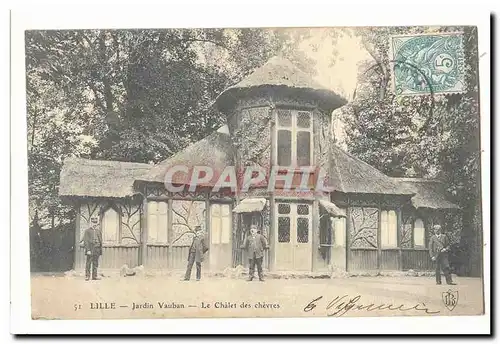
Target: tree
{"type": "Point", "coordinates": [424, 136]}
{"type": "Point", "coordinates": [131, 95]}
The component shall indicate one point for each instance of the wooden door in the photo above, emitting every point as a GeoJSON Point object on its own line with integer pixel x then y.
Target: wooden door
{"type": "Point", "coordinates": [302, 249]}
{"type": "Point", "coordinates": [284, 242]}
{"type": "Point", "coordinates": [293, 239]}
{"type": "Point", "coordinates": [220, 250]}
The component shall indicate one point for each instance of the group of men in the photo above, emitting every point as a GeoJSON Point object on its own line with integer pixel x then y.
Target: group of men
{"type": "Point", "coordinates": [255, 244]}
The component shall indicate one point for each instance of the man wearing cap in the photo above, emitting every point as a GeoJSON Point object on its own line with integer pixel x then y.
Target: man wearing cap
{"type": "Point", "coordinates": [439, 246]}
{"type": "Point", "coordinates": [255, 244]}
{"type": "Point", "coordinates": [92, 243]}
{"type": "Point", "coordinates": [196, 252]}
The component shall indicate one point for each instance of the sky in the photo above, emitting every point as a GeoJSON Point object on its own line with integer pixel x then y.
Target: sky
{"type": "Point", "coordinates": [341, 76]}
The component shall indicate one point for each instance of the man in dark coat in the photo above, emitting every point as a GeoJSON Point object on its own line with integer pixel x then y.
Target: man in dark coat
{"type": "Point", "coordinates": [255, 244]}
{"type": "Point", "coordinates": [196, 252]}
{"type": "Point", "coordinates": [439, 246]}
{"type": "Point", "coordinates": [92, 243]}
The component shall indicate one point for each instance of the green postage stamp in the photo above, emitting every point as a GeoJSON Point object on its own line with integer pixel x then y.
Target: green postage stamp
{"type": "Point", "coordinates": [427, 63]}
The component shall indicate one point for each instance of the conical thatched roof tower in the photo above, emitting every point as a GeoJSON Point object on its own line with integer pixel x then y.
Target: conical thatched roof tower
{"type": "Point", "coordinates": [279, 76]}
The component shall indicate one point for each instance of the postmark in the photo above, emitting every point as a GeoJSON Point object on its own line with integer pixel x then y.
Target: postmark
{"type": "Point", "coordinates": [427, 63]}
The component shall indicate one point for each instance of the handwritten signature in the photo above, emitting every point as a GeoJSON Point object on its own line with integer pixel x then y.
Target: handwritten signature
{"type": "Point", "coordinates": [340, 305]}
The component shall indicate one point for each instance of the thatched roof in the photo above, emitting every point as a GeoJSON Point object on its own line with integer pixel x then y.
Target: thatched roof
{"type": "Point", "coordinates": [428, 193]}
{"type": "Point", "coordinates": [280, 74]}
{"type": "Point", "coordinates": [349, 174]}
{"type": "Point", "coordinates": [215, 151]}
{"type": "Point", "coordinates": [99, 178]}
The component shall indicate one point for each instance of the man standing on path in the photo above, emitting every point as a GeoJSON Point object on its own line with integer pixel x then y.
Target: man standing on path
{"type": "Point", "coordinates": [92, 243]}
{"type": "Point", "coordinates": [255, 244]}
{"type": "Point", "coordinates": [439, 246]}
{"type": "Point", "coordinates": [196, 252]}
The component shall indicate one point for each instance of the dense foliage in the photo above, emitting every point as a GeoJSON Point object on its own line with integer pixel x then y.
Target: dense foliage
{"type": "Point", "coordinates": [130, 95]}
{"type": "Point", "coordinates": [433, 136]}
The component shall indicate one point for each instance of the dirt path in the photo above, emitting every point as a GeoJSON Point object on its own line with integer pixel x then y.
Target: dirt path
{"type": "Point", "coordinates": [165, 297]}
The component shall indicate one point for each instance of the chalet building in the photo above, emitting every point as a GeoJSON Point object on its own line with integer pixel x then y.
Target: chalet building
{"type": "Point", "coordinates": [277, 116]}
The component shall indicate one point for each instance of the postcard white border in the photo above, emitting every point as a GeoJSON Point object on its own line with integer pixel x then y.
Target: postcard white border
{"type": "Point", "coordinates": [254, 14]}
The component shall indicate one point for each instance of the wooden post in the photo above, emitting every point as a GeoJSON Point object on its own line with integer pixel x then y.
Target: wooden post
{"type": "Point", "coordinates": [144, 230]}
{"type": "Point", "coordinates": [412, 240]}
{"type": "Point", "coordinates": [207, 226]}
{"type": "Point", "coordinates": [272, 209]}
{"type": "Point", "coordinates": [348, 235]}
{"type": "Point", "coordinates": [399, 229]}
{"type": "Point", "coordinates": [76, 251]}
{"type": "Point", "coordinates": [315, 235]}
{"type": "Point", "coordinates": [170, 229]}
{"type": "Point", "coordinates": [379, 239]}
{"type": "Point", "coordinates": [272, 233]}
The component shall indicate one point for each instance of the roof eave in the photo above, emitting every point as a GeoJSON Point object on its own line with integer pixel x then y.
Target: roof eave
{"type": "Point", "coordinates": [228, 98]}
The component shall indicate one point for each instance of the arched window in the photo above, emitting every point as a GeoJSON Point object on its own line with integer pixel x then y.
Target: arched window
{"type": "Point", "coordinates": [419, 233]}
{"type": "Point", "coordinates": [389, 228]}
{"type": "Point", "coordinates": [110, 226]}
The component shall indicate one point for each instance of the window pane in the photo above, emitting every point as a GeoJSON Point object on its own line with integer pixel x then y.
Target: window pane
{"type": "Point", "coordinates": [162, 207]}
{"type": "Point", "coordinates": [419, 233]}
{"type": "Point", "coordinates": [226, 220]}
{"type": "Point", "coordinates": [225, 209]}
{"type": "Point", "coordinates": [152, 227]}
{"type": "Point", "coordinates": [225, 237]}
{"type": "Point", "coordinates": [284, 148]}
{"type": "Point", "coordinates": [284, 118]}
{"type": "Point", "coordinates": [283, 208]}
{"type": "Point", "coordinates": [303, 119]}
{"type": "Point", "coordinates": [303, 148]}
{"type": "Point", "coordinates": [110, 226]}
{"type": "Point", "coordinates": [255, 220]}
{"type": "Point", "coordinates": [302, 209]}
{"type": "Point", "coordinates": [283, 229]}
{"type": "Point", "coordinates": [152, 207]}
{"type": "Point", "coordinates": [302, 230]}
{"type": "Point", "coordinates": [383, 228]}
{"type": "Point", "coordinates": [215, 208]}
{"type": "Point", "coordinates": [392, 225]}
{"type": "Point", "coordinates": [162, 227]}
{"type": "Point", "coordinates": [215, 225]}
{"type": "Point", "coordinates": [339, 231]}
{"type": "Point", "coordinates": [152, 221]}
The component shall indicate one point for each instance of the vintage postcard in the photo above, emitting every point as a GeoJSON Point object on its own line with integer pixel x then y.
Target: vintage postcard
{"type": "Point", "coordinates": [254, 172]}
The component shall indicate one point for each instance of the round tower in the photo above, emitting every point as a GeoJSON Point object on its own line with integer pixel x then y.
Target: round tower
{"type": "Point", "coordinates": [279, 116]}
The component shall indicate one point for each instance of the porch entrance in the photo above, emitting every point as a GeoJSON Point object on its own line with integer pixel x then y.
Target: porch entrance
{"type": "Point", "coordinates": [220, 251]}
{"type": "Point", "coordinates": [293, 222]}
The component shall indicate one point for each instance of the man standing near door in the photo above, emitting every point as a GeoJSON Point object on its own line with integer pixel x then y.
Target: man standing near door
{"type": "Point", "coordinates": [439, 246]}
{"type": "Point", "coordinates": [255, 244]}
{"type": "Point", "coordinates": [92, 243]}
{"type": "Point", "coordinates": [196, 252]}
